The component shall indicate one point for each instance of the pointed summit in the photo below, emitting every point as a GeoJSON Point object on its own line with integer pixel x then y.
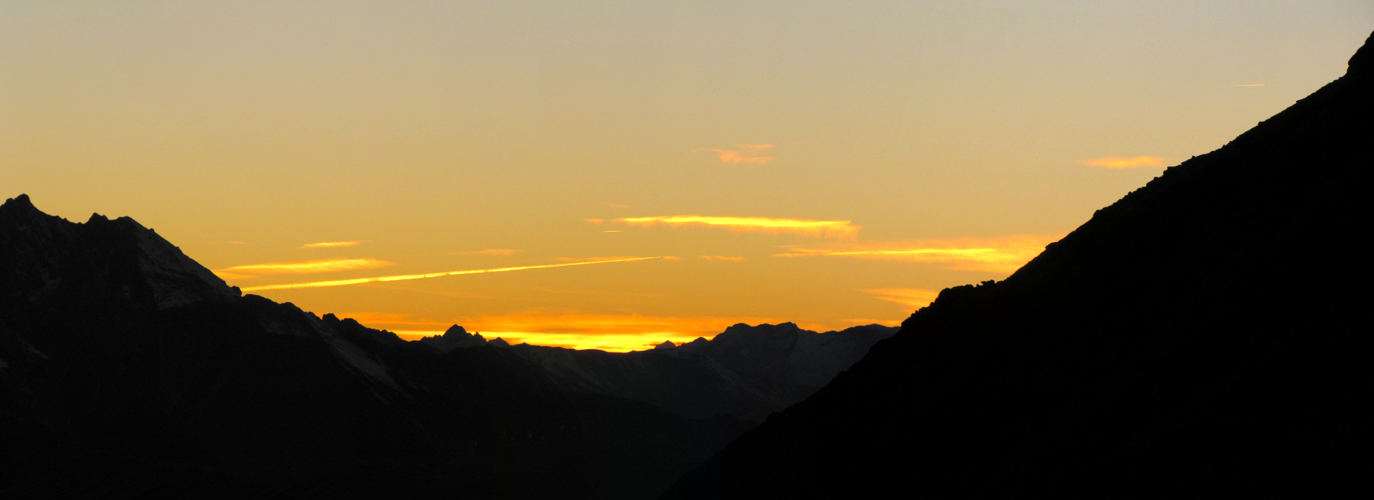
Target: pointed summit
{"type": "Point", "coordinates": [456, 332]}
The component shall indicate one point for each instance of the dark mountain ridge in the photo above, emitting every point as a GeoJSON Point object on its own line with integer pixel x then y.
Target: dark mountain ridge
{"type": "Point", "coordinates": [1207, 333]}
{"type": "Point", "coordinates": [127, 368]}
{"type": "Point", "coordinates": [746, 371]}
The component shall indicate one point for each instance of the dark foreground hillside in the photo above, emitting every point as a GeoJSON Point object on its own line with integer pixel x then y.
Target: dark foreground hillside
{"type": "Point", "coordinates": [127, 369]}
{"type": "Point", "coordinates": [1207, 333]}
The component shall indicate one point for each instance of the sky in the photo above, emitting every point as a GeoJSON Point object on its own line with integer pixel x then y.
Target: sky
{"type": "Point", "coordinates": [612, 175]}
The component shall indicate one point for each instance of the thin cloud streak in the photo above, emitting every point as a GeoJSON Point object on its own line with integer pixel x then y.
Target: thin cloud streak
{"type": "Point", "coordinates": [302, 267]}
{"type": "Point", "coordinates": [1001, 255]}
{"type": "Point", "coordinates": [1124, 162]}
{"type": "Point", "coordinates": [722, 257]}
{"type": "Point", "coordinates": [332, 244]}
{"type": "Point", "coordinates": [911, 298]}
{"type": "Point", "coordinates": [837, 229]}
{"type": "Point", "coordinates": [748, 154]}
{"type": "Point", "coordinates": [359, 281]}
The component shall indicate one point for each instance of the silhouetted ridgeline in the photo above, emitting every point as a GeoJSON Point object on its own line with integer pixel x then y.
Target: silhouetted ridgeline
{"type": "Point", "coordinates": [1207, 333]}
{"type": "Point", "coordinates": [746, 371]}
{"type": "Point", "coordinates": [127, 368]}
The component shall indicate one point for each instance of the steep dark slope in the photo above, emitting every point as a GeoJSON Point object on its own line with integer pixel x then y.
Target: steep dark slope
{"type": "Point", "coordinates": [1206, 333]}
{"type": "Point", "coordinates": [127, 367]}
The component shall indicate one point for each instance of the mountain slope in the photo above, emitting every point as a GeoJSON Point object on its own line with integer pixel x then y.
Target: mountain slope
{"type": "Point", "coordinates": [1206, 333]}
{"type": "Point", "coordinates": [127, 367]}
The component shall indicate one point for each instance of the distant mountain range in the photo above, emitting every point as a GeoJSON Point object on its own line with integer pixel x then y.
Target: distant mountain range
{"type": "Point", "coordinates": [746, 371]}
{"type": "Point", "coordinates": [126, 368]}
{"type": "Point", "coordinates": [1207, 335]}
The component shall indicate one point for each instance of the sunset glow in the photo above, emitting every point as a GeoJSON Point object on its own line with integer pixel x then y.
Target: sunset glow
{"type": "Point", "coordinates": [788, 156]}
{"type": "Point", "coordinates": [837, 229]}
{"type": "Point", "coordinates": [403, 277]}
{"type": "Point", "coordinates": [607, 332]}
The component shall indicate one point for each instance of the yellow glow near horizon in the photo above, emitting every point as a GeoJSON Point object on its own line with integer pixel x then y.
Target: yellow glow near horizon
{"type": "Point", "coordinates": [403, 277]}
{"type": "Point", "coordinates": [838, 229]}
{"type": "Point", "coordinates": [608, 332]}
{"type": "Point", "coordinates": [1003, 255]}
{"type": "Point", "coordinates": [1123, 162]}
{"type": "Point", "coordinates": [332, 244]}
{"type": "Point", "coordinates": [300, 267]}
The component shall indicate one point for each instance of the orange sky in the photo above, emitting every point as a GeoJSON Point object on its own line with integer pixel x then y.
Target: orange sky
{"type": "Point", "coordinates": [612, 175]}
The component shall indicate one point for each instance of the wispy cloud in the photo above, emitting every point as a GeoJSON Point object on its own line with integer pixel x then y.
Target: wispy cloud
{"type": "Point", "coordinates": [1002, 255]}
{"type": "Point", "coordinates": [595, 221]}
{"type": "Point", "coordinates": [1124, 162]}
{"type": "Point", "coordinates": [490, 251]}
{"type": "Point", "coordinates": [332, 244]}
{"type": "Point", "coordinates": [302, 267]}
{"type": "Point", "coordinates": [722, 257]}
{"type": "Point", "coordinates": [911, 298]}
{"type": "Point", "coordinates": [403, 277]}
{"type": "Point", "coordinates": [838, 229]}
{"type": "Point", "coordinates": [747, 154]}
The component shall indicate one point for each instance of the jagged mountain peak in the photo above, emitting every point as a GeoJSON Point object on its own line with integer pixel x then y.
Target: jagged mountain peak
{"type": "Point", "coordinates": [55, 259]}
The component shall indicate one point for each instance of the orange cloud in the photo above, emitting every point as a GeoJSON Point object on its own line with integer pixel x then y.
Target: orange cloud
{"type": "Point", "coordinates": [1002, 255]}
{"type": "Point", "coordinates": [304, 267]}
{"type": "Point", "coordinates": [489, 251]}
{"type": "Point", "coordinates": [721, 257]}
{"type": "Point", "coordinates": [403, 277]}
{"type": "Point", "coordinates": [332, 244]}
{"type": "Point", "coordinates": [838, 229]}
{"type": "Point", "coordinates": [1122, 162]}
{"type": "Point", "coordinates": [911, 298]}
{"type": "Point", "coordinates": [595, 221]}
{"type": "Point", "coordinates": [748, 154]}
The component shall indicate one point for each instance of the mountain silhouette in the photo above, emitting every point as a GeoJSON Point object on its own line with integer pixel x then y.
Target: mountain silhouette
{"type": "Point", "coordinates": [128, 369]}
{"type": "Point", "coordinates": [1208, 333]}
{"type": "Point", "coordinates": [746, 371]}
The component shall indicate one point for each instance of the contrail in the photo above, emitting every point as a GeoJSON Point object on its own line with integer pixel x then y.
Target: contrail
{"type": "Point", "coordinates": [403, 277]}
